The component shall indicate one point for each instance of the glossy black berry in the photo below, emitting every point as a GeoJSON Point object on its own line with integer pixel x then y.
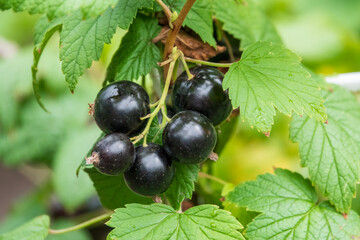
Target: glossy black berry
{"type": "Point", "coordinates": [119, 107]}
{"type": "Point", "coordinates": [113, 154]}
{"type": "Point", "coordinates": [189, 137]}
{"type": "Point", "coordinates": [152, 173]}
{"type": "Point", "coordinates": [203, 94]}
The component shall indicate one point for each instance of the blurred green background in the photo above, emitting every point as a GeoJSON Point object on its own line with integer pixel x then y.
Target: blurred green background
{"type": "Point", "coordinates": [40, 151]}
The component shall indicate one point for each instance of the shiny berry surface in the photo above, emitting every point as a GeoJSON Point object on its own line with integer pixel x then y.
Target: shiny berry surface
{"type": "Point", "coordinates": [113, 154]}
{"type": "Point", "coordinates": [203, 94]}
{"type": "Point", "coordinates": [152, 173]}
{"type": "Point", "coordinates": [119, 107]}
{"type": "Point", "coordinates": [189, 137]}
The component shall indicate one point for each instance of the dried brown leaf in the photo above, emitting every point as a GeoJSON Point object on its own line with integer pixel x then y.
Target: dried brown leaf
{"type": "Point", "coordinates": [191, 45]}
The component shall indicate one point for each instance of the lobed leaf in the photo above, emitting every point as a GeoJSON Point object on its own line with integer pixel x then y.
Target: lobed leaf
{"type": "Point", "coordinates": [269, 76]}
{"type": "Point", "coordinates": [183, 184]}
{"type": "Point", "coordinates": [137, 54]}
{"type": "Point", "coordinates": [159, 221]}
{"type": "Point", "coordinates": [82, 41]}
{"type": "Point", "coordinates": [59, 8]}
{"type": "Point", "coordinates": [331, 151]}
{"type": "Point", "coordinates": [246, 21]}
{"type": "Point", "coordinates": [290, 210]}
{"type": "Point", "coordinates": [36, 229]}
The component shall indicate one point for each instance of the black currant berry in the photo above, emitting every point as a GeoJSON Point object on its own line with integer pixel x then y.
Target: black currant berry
{"type": "Point", "coordinates": [152, 173]}
{"type": "Point", "coordinates": [119, 107]}
{"type": "Point", "coordinates": [203, 94]}
{"type": "Point", "coordinates": [113, 154]}
{"type": "Point", "coordinates": [189, 137]}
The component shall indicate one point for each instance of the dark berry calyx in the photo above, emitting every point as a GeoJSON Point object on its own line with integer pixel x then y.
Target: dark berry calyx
{"type": "Point", "coordinates": [113, 154]}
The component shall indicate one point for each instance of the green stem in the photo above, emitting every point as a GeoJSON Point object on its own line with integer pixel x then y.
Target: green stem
{"type": "Point", "coordinates": [154, 104]}
{"type": "Point", "coordinates": [207, 63]}
{"type": "Point", "coordinates": [81, 225]}
{"type": "Point", "coordinates": [167, 12]}
{"type": "Point", "coordinates": [182, 57]}
{"type": "Point", "coordinates": [175, 70]}
{"type": "Point", "coordinates": [161, 102]}
{"type": "Point", "coordinates": [205, 175]}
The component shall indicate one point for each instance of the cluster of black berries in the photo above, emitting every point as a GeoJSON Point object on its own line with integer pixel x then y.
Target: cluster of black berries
{"type": "Point", "coordinates": [189, 137]}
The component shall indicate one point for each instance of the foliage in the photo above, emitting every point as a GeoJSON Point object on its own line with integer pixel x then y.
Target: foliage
{"type": "Point", "coordinates": [291, 209]}
{"type": "Point", "coordinates": [146, 221]}
{"type": "Point", "coordinates": [268, 78]}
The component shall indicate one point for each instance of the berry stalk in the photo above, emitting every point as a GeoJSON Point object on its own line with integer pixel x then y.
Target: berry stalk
{"type": "Point", "coordinates": [88, 223]}
{"type": "Point", "coordinates": [212, 64]}
{"type": "Point", "coordinates": [161, 102]}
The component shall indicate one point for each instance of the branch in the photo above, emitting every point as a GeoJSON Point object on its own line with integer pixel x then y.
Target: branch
{"type": "Point", "coordinates": [170, 41]}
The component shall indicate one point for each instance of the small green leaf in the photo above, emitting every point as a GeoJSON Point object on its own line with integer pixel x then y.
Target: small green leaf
{"type": "Point", "coordinates": [331, 151]}
{"type": "Point", "coordinates": [246, 21]}
{"type": "Point", "coordinates": [269, 76]}
{"type": "Point", "coordinates": [36, 229]}
{"type": "Point", "coordinates": [59, 8]}
{"type": "Point", "coordinates": [127, 10]}
{"type": "Point", "coordinates": [288, 203]}
{"type": "Point", "coordinates": [183, 184]}
{"type": "Point", "coordinates": [112, 190]}
{"type": "Point", "coordinates": [42, 34]}
{"type": "Point", "coordinates": [137, 55]}
{"type": "Point", "coordinates": [159, 221]}
{"type": "Point", "coordinates": [82, 41]}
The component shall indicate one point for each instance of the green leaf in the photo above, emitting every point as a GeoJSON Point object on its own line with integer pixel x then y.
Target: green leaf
{"type": "Point", "coordinates": [127, 10]}
{"type": "Point", "coordinates": [199, 18]}
{"type": "Point", "coordinates": [288, 203]}
{"type": "Point", "coordinates": [331, 151]}
{"type": "Point", "coordinates": [36, 229]}
{"type": "Point", "coordinates": [137, 55]}
{"type": "Point", "coordinates": [112, 190]}
{"type": "Point", "coordinates": [241, 213]}
{"type": "Point", "coordinates": [183, 184]}
{"type": "Point", "coordinates": [59, 8]}
{"type": "Point", "coordinates": [83, 41]}
{"type": "Point", "coordinates": [159, 221]}
{"type": "Point", "coordinates": [4, 4]}
{"type": "Point", "coordinates": [246, 21]}
{"type": "Point", "coordinates": [64, 168]}
{"type": "Point", "coordinates": [42, 33]}
{"type": "Point", "coordinates": [269, 76]}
